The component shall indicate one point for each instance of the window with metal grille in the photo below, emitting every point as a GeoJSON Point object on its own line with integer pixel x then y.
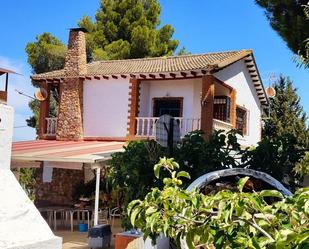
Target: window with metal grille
{"type": "Point", "coordinates": [241, 120]}
{"type": "Point", "coordinates": [222, 108]}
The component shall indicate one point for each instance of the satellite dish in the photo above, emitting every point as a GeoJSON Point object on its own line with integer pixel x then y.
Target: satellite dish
{"type": "Point", "coordinates": [41, 94]}
{"type": "Point", "coordinates": [167, 128]}
{"type": "Point", "coordinates": [271, 92]}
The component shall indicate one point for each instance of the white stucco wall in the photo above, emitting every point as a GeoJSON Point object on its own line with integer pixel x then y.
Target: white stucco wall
{"type": "Point", "coordinates": [105, 107]}
{"type": "Point", "coordinates": [188, 89]}
{"type": "Point", "coordinates": [238, 77]}
{"type": "Point", "coordinates": [21, 224]}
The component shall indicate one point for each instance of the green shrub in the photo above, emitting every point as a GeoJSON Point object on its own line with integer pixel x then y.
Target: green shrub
{"type": "Point", "coordinates": [223, 220]}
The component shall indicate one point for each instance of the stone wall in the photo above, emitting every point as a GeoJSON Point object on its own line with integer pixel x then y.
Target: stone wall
{"type": "Point", "coordinates": [60, 190]}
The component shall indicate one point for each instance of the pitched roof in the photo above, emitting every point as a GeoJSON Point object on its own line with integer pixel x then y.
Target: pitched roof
{"type": "Point", "coordinates": [172, 64]}
{"type": "Point", "coordinates": [157, 64]}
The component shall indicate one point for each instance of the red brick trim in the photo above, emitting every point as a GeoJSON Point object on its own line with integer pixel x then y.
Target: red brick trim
{"type": "Point", "coordinates": [133, 106]}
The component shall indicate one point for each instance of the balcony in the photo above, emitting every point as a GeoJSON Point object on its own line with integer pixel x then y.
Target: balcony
{"type": "Point", "coordinates": [221, 125]}
{"type": "Point", "coordinates": [146, 126]}
{"type": "Point", "coordinates": [51, 126]}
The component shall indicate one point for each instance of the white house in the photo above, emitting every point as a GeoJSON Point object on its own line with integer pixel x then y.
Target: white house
{"type": "Point", "coordinates": [121, 100]}
{"type": "Point", "coordinates": [103, 104]}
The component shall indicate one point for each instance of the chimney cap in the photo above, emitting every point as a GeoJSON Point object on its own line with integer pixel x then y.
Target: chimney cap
{"type": "Point", "coordinates": [79, 29]}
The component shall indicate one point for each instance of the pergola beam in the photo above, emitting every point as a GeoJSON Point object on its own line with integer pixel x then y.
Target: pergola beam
{"type": "Point", "coordinates": [183, 74]}
{"type": "Point", "coordinates": [162, 75]}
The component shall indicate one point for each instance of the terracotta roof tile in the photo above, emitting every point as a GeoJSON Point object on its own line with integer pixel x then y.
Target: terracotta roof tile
{"type": "Point", "coordinates": [156, 65]}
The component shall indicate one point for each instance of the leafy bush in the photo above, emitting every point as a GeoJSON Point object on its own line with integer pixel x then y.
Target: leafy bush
{"type": "Point", "coordinates": [197, 156]}
{"type": "Point", "coordinates": [131, 170]}
{"type": "Point", "coordinates": [223, 220]}
{"type": "Point", "coordinates": [27, 180]}
{"type": "Point", "coordinates": [277, 157]}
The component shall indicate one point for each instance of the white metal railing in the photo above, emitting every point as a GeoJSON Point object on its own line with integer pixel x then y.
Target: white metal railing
{"type": "Point", "coordinates": [51, 126]}
{"type": "Point", "coordinates": [146, 126]}
{"type": "Point", "coordinates": [221, 125]}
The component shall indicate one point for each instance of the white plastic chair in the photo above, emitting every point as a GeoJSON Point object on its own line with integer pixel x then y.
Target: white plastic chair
{"type": "Point", "coordinates": [114, 213]}
{"type": "Point", "coordinates": [102, 217]}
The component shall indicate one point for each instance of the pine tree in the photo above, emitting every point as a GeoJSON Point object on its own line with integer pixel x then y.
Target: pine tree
{"type": "Point", "coordinates": [128, 29]}
{"type": "Point", "coordinates": [304, 59]}
{"type": "Point", "coordinates": [47, 53]}
{"type": "Point", "coordinates": [122, 29]}
{"type": "Point", "coordinates": [288, 18]}
{"type": "Point", "coordinates": [287, 116]}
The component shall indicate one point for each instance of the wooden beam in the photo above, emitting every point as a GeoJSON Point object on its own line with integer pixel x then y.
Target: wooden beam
{"type": "Point", "coordinates": [193, 73]}
{"type": "Point", "coordinates": [97, 77]}
{"type": "Point", "coordinates": [152, 76]}
{"type": "Point", "coordinates": [252, 71]}
{"type": "Point", "coordinates": [143, 76]}
{"type": "Point", "coordinates": [162, 75]}
{"type": "Point", "coordinates": [204, 71]}
{"type": "Point", "coordinates": [105, 77]}
{"type": "Point", "coordinates": [44, 110]}
{"type": "Point", "coordinates": [183, 74]}
{"type": "Point", "coordinates": [207, 105]}
{"type": "Point", "coordinates": [6, 81]}
{"type": "Point", "coordinates": [81, 77]}
{"type": "Point", "coordinates": [123, 76]}
{"type": "Point", "coordinates": [250, 66]}
{"type": "Point", "coordinates": [114, 77]}
{"type": "Point", "coordinates": [173, 75]}
{"type": "Point", "coordinates": [88, 77]}
{"type": "Point", "coordinates": [133, 76]}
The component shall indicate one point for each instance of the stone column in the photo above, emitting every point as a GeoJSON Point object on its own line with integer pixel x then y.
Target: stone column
{"type": "Point", "coordinates": [133, 107]}
{"type": "Point", "coordinates": [207, 104]}
{"type": "Point", "coordinates": [70, 118]}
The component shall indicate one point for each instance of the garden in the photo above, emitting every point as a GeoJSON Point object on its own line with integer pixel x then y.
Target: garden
{"type": "Point", "coordinates": [244, 215]}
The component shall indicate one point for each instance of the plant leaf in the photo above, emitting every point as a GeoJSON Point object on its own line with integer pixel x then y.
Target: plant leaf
{"type": "Point", "coordinates": [183, 174]}
{"type": "Point", "coordinates": [242, 182]}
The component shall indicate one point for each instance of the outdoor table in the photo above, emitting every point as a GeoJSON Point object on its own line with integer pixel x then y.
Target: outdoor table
{"type": "Point", "coordinates": [49, 213]}
{"type": "Point", "coordinates": [66, 215]}
{"type": "Point", "coordinates": [79, 212]}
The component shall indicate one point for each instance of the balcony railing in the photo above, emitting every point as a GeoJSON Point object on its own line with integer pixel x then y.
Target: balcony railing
{"type": "Point", "coordinates": [146, 126]}
{"type": "Point", "coordinates": [221, 125]}
{"type": "Point", "coordinates": [51, 126]}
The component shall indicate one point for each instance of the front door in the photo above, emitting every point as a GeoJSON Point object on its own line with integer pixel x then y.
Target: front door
{"type": "Point", "coordinates": [170, 106]}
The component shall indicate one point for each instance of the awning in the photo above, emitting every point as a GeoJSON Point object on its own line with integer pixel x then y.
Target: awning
{"type": "Point", "coordinates": [3, 71]}
{"type": "Point", "coordinates": [64, 151]}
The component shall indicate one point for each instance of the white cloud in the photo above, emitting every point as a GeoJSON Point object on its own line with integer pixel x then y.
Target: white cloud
{"type": "Point", "coordinates": [19, 102]}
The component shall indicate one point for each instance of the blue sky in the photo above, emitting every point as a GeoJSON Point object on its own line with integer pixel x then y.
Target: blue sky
{"type": "Point", "coordinates": [200, 25]}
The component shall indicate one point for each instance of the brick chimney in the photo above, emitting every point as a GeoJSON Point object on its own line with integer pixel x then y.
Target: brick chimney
{"type": "Point", "coordinates": [70, 118]}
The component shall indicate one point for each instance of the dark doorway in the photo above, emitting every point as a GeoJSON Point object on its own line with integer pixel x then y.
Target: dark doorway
{"type": "Point", "coordinates": [170, 106]}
